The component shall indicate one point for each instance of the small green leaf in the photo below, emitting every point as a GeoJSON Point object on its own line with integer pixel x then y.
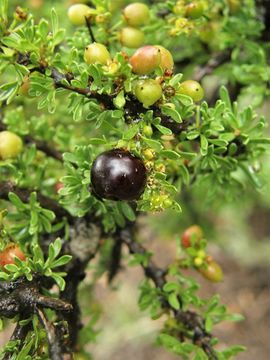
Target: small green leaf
{"type": "Point", "coordinates": [127, 211]}
{"type": "Point", "coordinates": [120, 100]}
{"type": "Point", "coordinates": [174, 301]}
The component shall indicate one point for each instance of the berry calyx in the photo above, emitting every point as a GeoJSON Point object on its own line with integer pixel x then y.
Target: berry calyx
{"type": "Point", "coordinates": [7, 256]}
{"type": "Point", "coordinates": [78, 12]}
{"type": "Point", "coordinates": [118, 175]}
{"type": "Point", "coordinates": [193, 89]}
{"type": "Point", "coordinates": [136, 14]}
{"type": "Point", "coordinates": [212, 272]}
{"type": "Point", "coordinates": [148, 154]}
{"type": "Point", "coordinates": [145, 60]}
{"type": "Point", "coordinates": [166, 59]}
{"type": "Point", "coordinates": [192, 234]}
{"type": "Point", "coordinates": [131, 37]}
{"type": "Point", "coordinates": [10, 145]}
{"type": "Point", "coordinates": [96, 53]}
{"type": "Point", "coordinates": [148, 92]}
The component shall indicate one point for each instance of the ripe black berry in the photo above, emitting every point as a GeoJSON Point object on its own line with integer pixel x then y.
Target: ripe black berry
{"type": "Point", "coordinates": [118, 175]}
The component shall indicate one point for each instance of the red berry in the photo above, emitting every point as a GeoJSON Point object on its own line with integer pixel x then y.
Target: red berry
{"type": "Point", "coordinates": [8, 254]}
{"type": "Point", "coordinates": [118, 175]}
{"type": "Point", "coordinates": [145, 60]}
{"type": "Point", "coordinates": [193, 232]}
{"type": "Point", "coordinates": [58, 186]}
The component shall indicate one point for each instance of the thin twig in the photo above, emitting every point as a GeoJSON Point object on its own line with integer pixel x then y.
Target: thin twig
{"type": "Point", "coordinates": [89, 27]}
{"type": "Point", "coordinates": [55, 350]}
{"type": "Point", "coordinates": [211, 65]}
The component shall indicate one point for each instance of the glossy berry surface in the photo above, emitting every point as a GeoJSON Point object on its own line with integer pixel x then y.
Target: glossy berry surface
{"type": "Point", "coordinates": [192, 233]}
{"type": "Point", "coordinates": [78, 12]}
{"type": "Point", "coordinates": [145, 60]}
{"type": "Point", "coordinates": [212, 272]}
{"type": "Point", "coordinates": [96, 53]}
{"type": "Point", "coordinates": [193, 89]}
{"type": "Point", "coordinates": [10, 145]}
{"type": "Point", "coordinates": [131, 37]}
{"type": "Point", "coordinates": [148, 92]}
{"type": "Point", "coordinates": [8, 254]}
{"type": "Point", "coordinates": [118, 175]}
{"type": "Point", "coordinates": [166, 59]}
{"type": "Point", "coordinates": [136, 14]}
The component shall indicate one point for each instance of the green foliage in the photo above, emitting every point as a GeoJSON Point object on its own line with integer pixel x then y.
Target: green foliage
{"type": "Point", "coordinates": [74, 109]}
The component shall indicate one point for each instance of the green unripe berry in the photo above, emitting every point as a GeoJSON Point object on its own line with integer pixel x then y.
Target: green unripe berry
{"type": "Point", "coordinates": [194, 10]}
{"type": "Point", "coordinates": [234, 6]}
{"type": "Point", "coordinates": [167, 203]}
{"type": "Point", "coordinates": [78, 12]}
{"type": "Point", "coordinates": [166, 59]}
{"type": "Point", "coordinates": [193, 89]}
{"type": "Point", "coordinates": [136, 14]}
{"type": "Point", "coordinates": [198, 261]}
{"type": "Point", "coordinates": [179, 8]}
{"type": "Point", "coordinates": [10, 145]}
{"type": "Point", "coordinates": [201, 254]}
{"type": "Point", "coordinates": [212, 272]}
{"type": "Point", "coordinates": [96, 53]}
{"type": "Point", "coordinates": [131, 37]}
{"type": "Point", "coordinates": [147, 130]}
{"type": "Point", "coordinates": [148, 92]}
{"type": "Point", "coordinates": [145, 60]}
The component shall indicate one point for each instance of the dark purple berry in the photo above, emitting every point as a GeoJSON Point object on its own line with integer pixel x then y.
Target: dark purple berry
{"type": "Point", "coordinates": [118, 175]}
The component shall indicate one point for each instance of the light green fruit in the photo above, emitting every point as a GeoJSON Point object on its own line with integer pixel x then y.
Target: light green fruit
{"type": "Point", "coordinates": [212, 272]}
{"type": "Point", "coordinates": [195, 9]}
{"type": "Point", "coordinates": [78, 12]}
{"type": "Point", "coordinates": [193, 89]}
{"type": "Point", "coordinates": [136, 14]}
{"type": "Point", "coordinates": [166, 61]}
{"type": "Point", "coordinates": [148, 92]}
{"type": "Point", "coordinates": [147, 130]}
{"type": "Point", "coordinates": [131, 37]}
{"type": "Point", "coordinates": [10, 145]}
{"type": "Point", "coordinates": [96, 53]}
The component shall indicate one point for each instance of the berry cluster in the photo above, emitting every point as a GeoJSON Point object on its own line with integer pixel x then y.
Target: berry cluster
{"type": "Point", "coordinates": [194, 245]}
{"type": "Point", "coordinates": [135, 16]}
